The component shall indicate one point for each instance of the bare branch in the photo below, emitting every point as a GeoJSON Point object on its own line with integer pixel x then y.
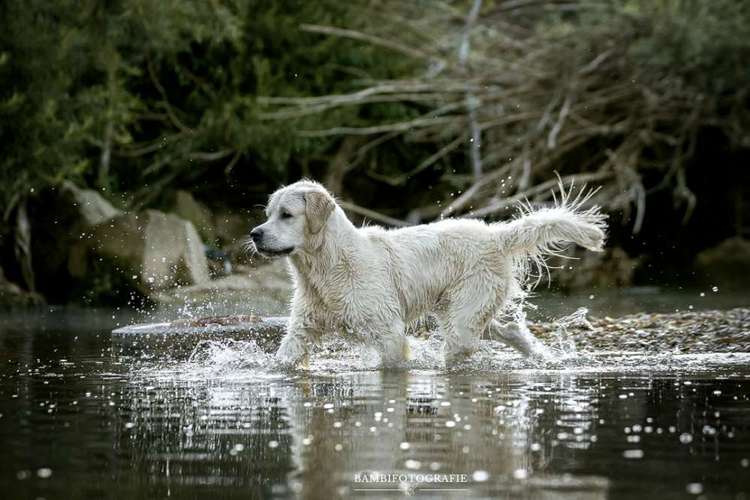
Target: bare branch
{"type": "Point", "coordinates": [500, 205]}
{"type": "Point", "coordinates": [372, 214]}
{"type": "Point", "coordinates": [358, 35]}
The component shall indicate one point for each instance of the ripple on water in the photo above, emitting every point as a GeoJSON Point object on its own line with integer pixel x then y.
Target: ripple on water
{"type": "Point", "coordinates": [237, 360]}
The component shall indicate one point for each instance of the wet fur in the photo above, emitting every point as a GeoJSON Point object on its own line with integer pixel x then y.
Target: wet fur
{"type": "Point", "coordinates": [369, 283]}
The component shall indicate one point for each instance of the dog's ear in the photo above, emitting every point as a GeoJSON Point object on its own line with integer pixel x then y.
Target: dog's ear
{"type": "Point", "coordinates": [318, 207]}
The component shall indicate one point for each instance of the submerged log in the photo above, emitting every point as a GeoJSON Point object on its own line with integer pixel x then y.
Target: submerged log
{"type": "Point", "coordinates": [685, 332]}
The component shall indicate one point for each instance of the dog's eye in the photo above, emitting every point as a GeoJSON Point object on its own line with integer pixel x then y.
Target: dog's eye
{"type": "Point", "coordinates": [286, 215]}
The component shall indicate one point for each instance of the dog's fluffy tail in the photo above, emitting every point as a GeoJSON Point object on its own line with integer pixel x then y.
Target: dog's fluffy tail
{"type": "Point", "coordinates": [539, 233]}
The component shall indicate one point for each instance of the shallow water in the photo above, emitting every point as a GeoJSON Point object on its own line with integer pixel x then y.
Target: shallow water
{"type": "Point", "coordinates": [79, 421]}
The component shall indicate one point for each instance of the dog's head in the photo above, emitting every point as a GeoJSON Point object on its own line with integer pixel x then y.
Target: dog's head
{"type": "Point", "coordinates": [297, 215]}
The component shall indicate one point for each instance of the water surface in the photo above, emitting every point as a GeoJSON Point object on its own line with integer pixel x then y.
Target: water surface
{"type": "Point", "coordinates": [77, 420]}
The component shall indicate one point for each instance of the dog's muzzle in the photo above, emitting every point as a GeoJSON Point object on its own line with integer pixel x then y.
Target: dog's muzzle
{"type": "Point", "coordinates": [269, 253]}
{"type": "Point", "coordinates": [257, 236]}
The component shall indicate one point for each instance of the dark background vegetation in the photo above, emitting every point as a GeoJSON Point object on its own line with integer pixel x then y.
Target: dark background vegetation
{"type": "Point", "coordinates": [384, 102]}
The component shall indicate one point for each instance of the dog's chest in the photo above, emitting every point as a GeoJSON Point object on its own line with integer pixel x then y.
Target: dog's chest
{"type": "Point", "coordinates": [349, 297]}
{"type": "Point", "coordinates": [350, 305]}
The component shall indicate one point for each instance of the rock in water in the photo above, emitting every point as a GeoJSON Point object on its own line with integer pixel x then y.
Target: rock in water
{"type": "Point", "coordinates": [91, 208]}
{"type": "Point", "coordinates": [581, 270]}
{"type": "Point", "coordinates": [725, 264]}
{"type": "Point", "coordinates": [186, 207]}
{"type": "Point", "coordinates": [11, 295]}
{"type": "Point", "coordinates": [154, 250]}
{"type": "Point", "coordinates": [269, 286]}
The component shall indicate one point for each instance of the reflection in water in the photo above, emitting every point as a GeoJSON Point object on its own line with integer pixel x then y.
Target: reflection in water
{"type": "Point", "coordinates": [520, 434]}
{"type": "Point", "coordinates": [77, 421]}
{"type": "Point", "coordinates": [324, 432]}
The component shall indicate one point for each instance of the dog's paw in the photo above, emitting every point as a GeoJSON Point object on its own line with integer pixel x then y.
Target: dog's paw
{"type": "Point", "coordinates": [291, 352]}
{"type": "Point", "coordinates": [543, 354]}
{"type": "Point", "coordinates": [285, 363]}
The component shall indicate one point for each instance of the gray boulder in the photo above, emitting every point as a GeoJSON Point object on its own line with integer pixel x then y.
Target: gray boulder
{"type": "Point", "coordinates": [267, 287]}
{"type": "Point", "coordinates": [583, 269]}
{"type": "Point", "coordinates": [88, 206]}
{"type": "Point", "coordinates": [188, 208]}
{"type": "Point", "coordinates": [233, 227]}
{"type": "Point", "coordinates": [726, 265]}
{"type": "Point", "coordinates": [11, 295]}
{"type": "Point", "coordinates": [152, 250]}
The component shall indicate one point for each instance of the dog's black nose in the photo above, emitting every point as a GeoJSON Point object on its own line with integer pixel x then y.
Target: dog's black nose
{"type": "Point", "coordinates": [256, 234]}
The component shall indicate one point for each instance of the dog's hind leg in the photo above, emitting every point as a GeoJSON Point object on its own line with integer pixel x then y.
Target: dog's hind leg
{"type": "Point", "coordinates": [391, 343]}
{"type": "Point", "coordinates": [467, 311]}
{"type": "Point", "coordinates": [517, 335]}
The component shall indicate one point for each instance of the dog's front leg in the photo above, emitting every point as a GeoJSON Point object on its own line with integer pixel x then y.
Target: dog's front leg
{"type": "Point", "coordinates": [293, 348]}
{"type": "Point", "coordinates": [302, 330]}
{"type": "Point", "coordinates": [391, 342]}
{"type": "Point", "coordinates": [295, 344]}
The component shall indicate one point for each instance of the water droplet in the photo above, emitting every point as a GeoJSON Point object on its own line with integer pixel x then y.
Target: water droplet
{"type": "Point", "coordinates": [694, 488]}
{"type": "Point", "coordinates": [44, 473]}
{"type": "Point", "coordinates": [412, 464]}
{"type": "Point", "coordinates": [709, 431]}
{"type": "Point", "coordinates": [686, 438]}
{"type": "Point", "coordinates": [520, 474]}
{"type": "Point", "coordinates": [480, 476]}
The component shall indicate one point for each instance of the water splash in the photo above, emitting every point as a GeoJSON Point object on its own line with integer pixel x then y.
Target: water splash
{"type": "Point", "coordinates": [229, 355]}
{"type": "Point", "coordinates": [246, 360]}
{"type": "Point", "coordinates": [563, 343]}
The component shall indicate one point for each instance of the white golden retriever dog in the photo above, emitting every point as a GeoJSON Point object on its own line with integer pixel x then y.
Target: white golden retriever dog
{"type": "Point", "coordinates": [369, 284]}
